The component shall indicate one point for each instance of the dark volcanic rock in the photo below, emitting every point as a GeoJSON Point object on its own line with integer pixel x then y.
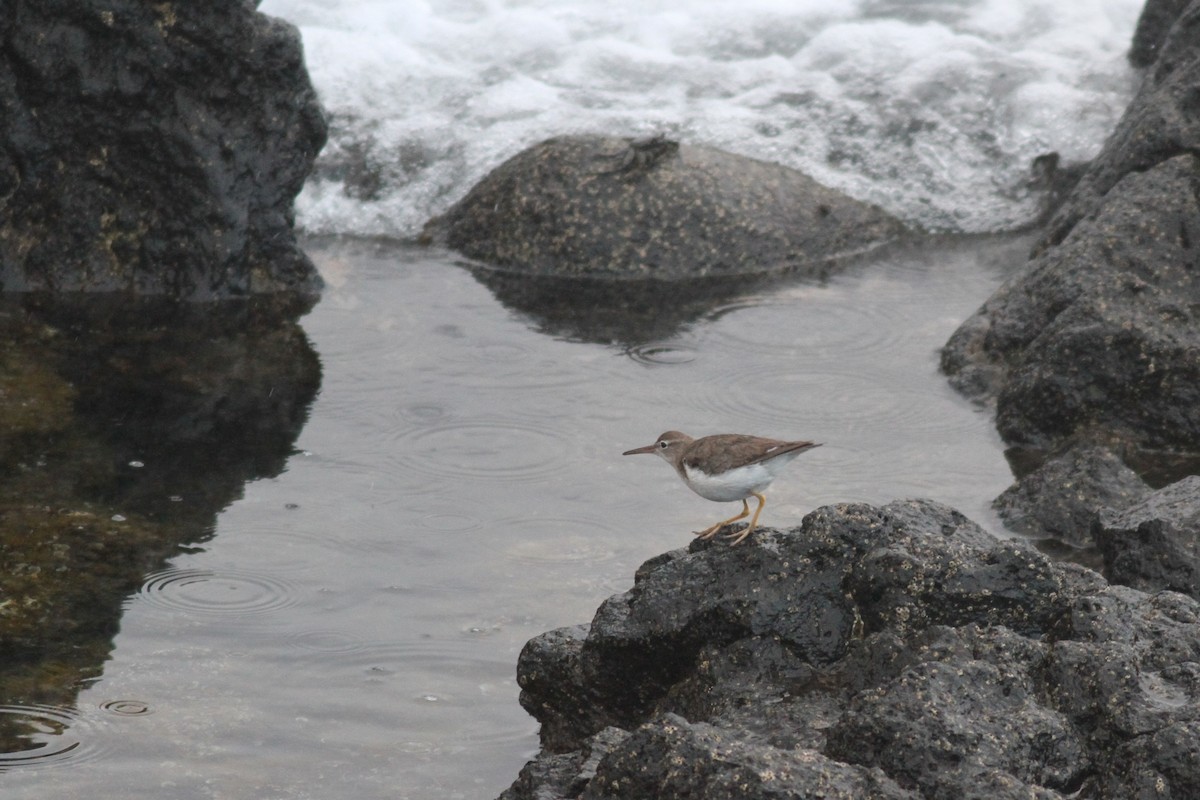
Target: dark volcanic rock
{"type": "Point", "coordinates": [152, 147]}
{"type": "Point", "coordinates": [1099, 338]}
{"type": "Point", "coordinates": [965, 720]}
{"type": "Point", "coordinates": [1100, 332]}
{"type": "Point", "coordinates": [592, 206]}
{"type": "Point", "coordinates": [1064, 497]}
{"type": "Point", "coordinates": [1155, 544]}
{"type": "Point", "coordinates": [568, 774]}
{"type": "Point", "coordinates": [682, 602]}
{"type": "Point", "coordinates": [672, 758]}
{"type": "Point", "coordinates": [917, 579]}
{"type": "Point", "coordinates": [1158, 632]}
{"type": "Point", "coordinates": [553, 687]}
{"type": "Point", "coordinates": [1146, 766]}
{"type": "Point", "coordinates": [874, 652]}
{"type": "Point", "coordinates": [1152, 28]}
{"type": "Point", "coordinates": [1162, 121]}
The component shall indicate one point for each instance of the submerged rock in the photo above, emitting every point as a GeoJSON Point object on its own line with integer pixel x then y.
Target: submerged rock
{"type": "Point", "coordinates": [153, 148]}
{"type": "Point", "coordinates": [898, 651]}
{"type": "Point", "coordinates": [606, 207]}
{"type": "Point", "coordinates": [126, 426]}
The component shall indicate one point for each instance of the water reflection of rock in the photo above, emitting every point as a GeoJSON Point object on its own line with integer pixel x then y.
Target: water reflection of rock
{"type": "Point", "coordinates": [613, 312]}
{"type": "Point", "coordinates": [624, 312]}
{"type": "Point", "coordinates": [125, 426]}
{"type": "Point", "coordinates": [611, 239]}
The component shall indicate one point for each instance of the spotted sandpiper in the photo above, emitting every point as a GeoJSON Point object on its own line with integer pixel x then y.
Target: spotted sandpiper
{"type": "Point", "coordinates": [726, 467]}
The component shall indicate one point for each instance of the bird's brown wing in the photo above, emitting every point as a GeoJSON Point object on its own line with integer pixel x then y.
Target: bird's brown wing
{"type": "Point", "coordinates": [732, 450]}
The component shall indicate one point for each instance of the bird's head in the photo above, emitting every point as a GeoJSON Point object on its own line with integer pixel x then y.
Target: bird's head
{"type": "Point", "coordinates": [668, 446]}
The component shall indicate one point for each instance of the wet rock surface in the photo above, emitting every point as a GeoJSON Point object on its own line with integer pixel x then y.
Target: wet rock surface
{"type": "Point", "coordinates": [1155, 544]}
{"type": "Point", "coordinates": [1100, 332]}
{"type": "Point", "coordinates": [1152, 28]}
{"type": "Point", "coordinates": [153, 147]}
{"type": "Point", "coordinates": [1096, 343]}
{"type": "Point", "coordinates": [1161, 122]}
{"type": "Point", "coordinates": [606, 207]}
{"type": "Point", "coordinates": [1098, 335]}
{"type": "Point", "coordinates": [896, 651]}
{"type": "Point", "coordinates": [1064, 498]}
{"type": "Point", "coordinates": [671, 757]}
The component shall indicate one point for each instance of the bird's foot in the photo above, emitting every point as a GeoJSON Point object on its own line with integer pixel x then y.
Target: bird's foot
{"type": "Point", "coordinates": [708, 533]}
{"type": "Point", "coordinates": [739, 536]}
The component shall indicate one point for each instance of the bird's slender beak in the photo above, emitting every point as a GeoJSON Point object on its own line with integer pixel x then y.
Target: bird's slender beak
{"type": "Point", "coordinates": [647, 449]}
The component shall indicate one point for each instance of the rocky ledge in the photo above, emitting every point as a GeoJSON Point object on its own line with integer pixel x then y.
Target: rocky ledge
{"type": "Point", "coordinates": [1097, 340]}
{"type": "Point", "coordinates": [893, 652]}
{"type": "Point", "coordinates": [1091, 353]}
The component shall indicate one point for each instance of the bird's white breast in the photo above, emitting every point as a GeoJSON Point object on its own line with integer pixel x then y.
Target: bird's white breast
{"type": "Point", "coordinates": [736, 484]}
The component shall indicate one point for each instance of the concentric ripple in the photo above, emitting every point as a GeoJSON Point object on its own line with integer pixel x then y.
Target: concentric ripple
{"type": "Point", "coordinates": [204, 591]}
{"type": "Point", "coordinates": [327, 641]}
{"type": "Point", "coordinates": [501, 450]}
{"type": "Point", "coordinates": [127, 708]}
{"type": "Point", "coordinates": [451, 523]}
{"type": "Point", "coordinates": [426, 413]}
{"type": "Point", "coordinates": [823, 321]}
{"type": "Point", "coordinates": [662, 354]}
{"type": "Point", "coordinates": [43, 736]}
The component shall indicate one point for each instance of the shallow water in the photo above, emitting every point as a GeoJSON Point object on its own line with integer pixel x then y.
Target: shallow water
{"type": "Point", "coordinates": [351, 626]}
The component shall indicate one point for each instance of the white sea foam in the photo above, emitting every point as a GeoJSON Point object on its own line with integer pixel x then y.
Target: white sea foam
{"type": "Point", "coordinates": [931, 109]}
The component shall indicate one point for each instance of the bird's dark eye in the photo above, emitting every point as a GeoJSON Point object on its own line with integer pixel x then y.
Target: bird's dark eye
{"type": "Point", "coordinates": [663, 445]}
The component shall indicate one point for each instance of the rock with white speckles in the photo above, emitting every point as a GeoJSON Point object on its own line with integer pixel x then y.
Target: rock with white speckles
{"type": "Point", "coordinates": [670, 757]}
{"type": "Point", "coordinates": [1064, 497]}
{"type": "Point", "coordinates": [1162, 764]}
{"type": "Point", "coordinates": [616, 208]}
{"type": "Point", "coordinates": [1100, 335]}
{"type": "Point", "coordinates": [890, 651]}
{"type": "Point", "coordinates": [1098, 338]}
{"type": "Point", "coordinates": [964, 718]}
{"type": "Point", "coordinates": [1155, 544]}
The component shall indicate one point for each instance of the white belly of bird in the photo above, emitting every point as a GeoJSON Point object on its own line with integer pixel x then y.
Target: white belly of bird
{"type": "Point", "coordinates": [736, 484]}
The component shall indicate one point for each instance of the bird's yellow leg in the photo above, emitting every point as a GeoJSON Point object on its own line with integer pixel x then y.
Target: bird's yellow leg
{"type": "Point", "coordinates": [762, 501]}
{"type": "Point", "coordinates": [707, 533]}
